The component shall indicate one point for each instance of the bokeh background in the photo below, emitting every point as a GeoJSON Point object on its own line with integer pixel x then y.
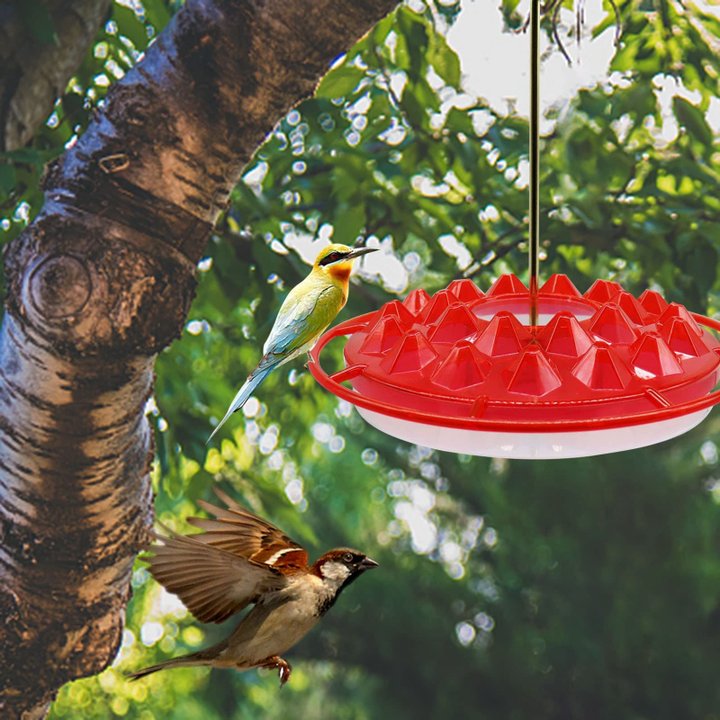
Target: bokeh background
{"type": "Point", "coordinates": [585, 589]}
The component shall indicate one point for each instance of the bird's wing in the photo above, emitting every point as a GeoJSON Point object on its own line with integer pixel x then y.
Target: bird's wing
{"type": "Point", "coordinates": [213, 583]}
{"type": "Point", "coordinates": [307, 311]}
{"type": "Point", "coordinates": [237, 531]}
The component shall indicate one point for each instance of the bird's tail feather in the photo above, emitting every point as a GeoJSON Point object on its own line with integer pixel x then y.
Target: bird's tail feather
{"type": "Point", "coordinates": [198, 658]}
{"type": "Point", "coordinates": [243, 394]}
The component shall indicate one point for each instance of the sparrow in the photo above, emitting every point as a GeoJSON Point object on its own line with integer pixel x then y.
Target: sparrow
{"type": "Point", "coordinates": [240, 559]}
{"type": "Point", "coordinates": [305, 314]}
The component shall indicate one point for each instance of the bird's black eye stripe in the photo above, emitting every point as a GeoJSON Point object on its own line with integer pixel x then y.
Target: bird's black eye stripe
{"type": "Point", "coordinates": [331, 258]}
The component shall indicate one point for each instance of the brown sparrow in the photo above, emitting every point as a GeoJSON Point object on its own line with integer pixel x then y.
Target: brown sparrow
{"type": "Point", "coordinates": [241, 559]}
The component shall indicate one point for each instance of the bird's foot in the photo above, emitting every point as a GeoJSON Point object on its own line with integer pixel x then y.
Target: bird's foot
{"type": "Point", "coordinates": [283, 667]}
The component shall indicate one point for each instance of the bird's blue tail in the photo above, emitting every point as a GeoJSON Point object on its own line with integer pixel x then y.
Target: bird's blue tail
{"type": "Point", "coordinates": [243, 394]}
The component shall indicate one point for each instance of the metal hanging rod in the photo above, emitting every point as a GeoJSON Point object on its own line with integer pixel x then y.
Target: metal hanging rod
{"type": "Point", "coordinates": [534, 130]}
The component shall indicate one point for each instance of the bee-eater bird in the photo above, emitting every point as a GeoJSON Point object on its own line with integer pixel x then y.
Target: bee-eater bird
{"type": "Point", "coordinates": [240, 559]}
{"type": "Point", "coordinates": [306, 313]}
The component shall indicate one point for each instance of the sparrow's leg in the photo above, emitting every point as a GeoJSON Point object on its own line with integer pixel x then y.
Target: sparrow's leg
{"type": "Point", "coordinates": [283, 667]}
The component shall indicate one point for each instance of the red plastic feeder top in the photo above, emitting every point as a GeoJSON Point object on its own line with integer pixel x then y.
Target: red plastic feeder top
{"type": "Point", "coordinates": [462, 370]}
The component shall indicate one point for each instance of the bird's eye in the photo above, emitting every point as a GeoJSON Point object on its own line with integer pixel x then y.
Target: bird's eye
{"type": "Point", "coordinates": [348, 558]}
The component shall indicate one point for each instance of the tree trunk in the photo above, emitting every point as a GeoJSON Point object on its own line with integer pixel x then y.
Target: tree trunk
{"type": "Point", "coordinates": [35, 70]}
{"type": "Point", "coordinates": [99, 284]}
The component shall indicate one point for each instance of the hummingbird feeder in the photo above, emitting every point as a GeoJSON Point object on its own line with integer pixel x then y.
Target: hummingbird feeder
{"type": "Point", "coordinates": [528, 372]}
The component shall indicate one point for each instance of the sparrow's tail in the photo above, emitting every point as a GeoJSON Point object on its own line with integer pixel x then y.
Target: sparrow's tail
{"type": "Point", "coordinates": [198, 658]}
{"type": "Point", "coordinates": [244, 393]}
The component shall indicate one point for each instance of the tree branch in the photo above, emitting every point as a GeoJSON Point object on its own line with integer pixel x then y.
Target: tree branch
{"type": "Point", "coordinates": [100, 283]}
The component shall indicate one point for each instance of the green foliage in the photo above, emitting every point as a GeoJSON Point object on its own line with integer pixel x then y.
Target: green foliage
{"type": "Point", "coordinates": [576, 589]}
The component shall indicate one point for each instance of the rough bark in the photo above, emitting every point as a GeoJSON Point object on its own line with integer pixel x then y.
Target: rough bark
{"type": "Point", "coordinates": [99, 284]}
{"type": "Point", "coordinates": [34, 70]}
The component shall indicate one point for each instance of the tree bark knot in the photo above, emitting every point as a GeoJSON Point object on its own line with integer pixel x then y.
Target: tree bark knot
{"type": "Point", "coordinates": [59, 286]}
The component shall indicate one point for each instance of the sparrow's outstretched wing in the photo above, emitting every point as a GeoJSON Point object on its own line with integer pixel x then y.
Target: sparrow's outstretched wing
{"type": "Point", "coordinates": [213, 583]}
{"type": "Point", "coordinates": [241, 533]}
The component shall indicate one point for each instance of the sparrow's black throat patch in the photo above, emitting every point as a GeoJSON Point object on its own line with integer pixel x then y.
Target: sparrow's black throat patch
{"type": "Point", "coordinates": [332, 600]}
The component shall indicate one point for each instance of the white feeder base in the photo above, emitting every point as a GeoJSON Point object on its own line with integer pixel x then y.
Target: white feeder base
{"type": "Point", "coordinates": [534, 445]}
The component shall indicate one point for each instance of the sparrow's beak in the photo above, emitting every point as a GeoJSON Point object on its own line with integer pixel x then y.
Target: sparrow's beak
{"type": "Point", "coordinates": [357, 252]}
{"type": "Point", "coordinates": [368, 564]}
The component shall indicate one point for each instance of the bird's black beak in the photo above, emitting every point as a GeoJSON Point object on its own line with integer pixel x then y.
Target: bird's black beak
{"type": "Point", "coordinates": [367, 564]}
{"type": "Point", "coordinates": [357, 252]}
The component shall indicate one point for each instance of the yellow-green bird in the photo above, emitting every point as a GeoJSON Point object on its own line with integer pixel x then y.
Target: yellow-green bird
{"type": "Point", "coordinates": [306, 313]}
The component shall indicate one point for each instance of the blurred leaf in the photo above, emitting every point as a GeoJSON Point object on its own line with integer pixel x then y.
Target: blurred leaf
{"type": "Point", "coordinates": [130, 25]}
{"type": "Point", "coordinates": [693, 120]}
{"type": "Point", "coordinates": [156, 13]}
{"type": "Point", "coordinates": [7, 177]}
{"type": "Point", "coordinates": [339, 82]}
{"type": "Point", "coordinates": [349, 224]}
{"type": "Point", "coordinates": [445, 61]}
